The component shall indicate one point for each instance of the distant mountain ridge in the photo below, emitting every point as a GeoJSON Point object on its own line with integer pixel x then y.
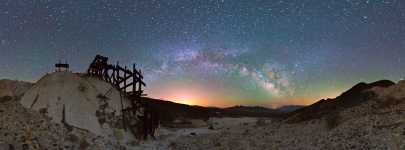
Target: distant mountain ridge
{"type": "Point", "coordinates": [353, 97]}
{"type": "Point", "coordinates": [282, 109]}
{"type": "Point", "coordinates": [250, 109]}
{"type": "Point", "coordinates": [169, 111]}
{"type": "Point", "coordinates": [290, 108]}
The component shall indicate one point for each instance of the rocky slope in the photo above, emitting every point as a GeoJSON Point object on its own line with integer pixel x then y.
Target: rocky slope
{"type": "Point", "coordinates": [355, 96]}
{"type": "Point", "coordinates": [376, 122]}
{"type": "Point", "coordinates": [13, 88]}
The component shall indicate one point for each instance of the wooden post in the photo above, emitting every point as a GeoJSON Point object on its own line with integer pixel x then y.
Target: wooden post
{"type": "Point", "coordinates": [134, 80]}
{"type": "Point", "coordinates": [139, 84]}
{"type": "Point", "coordinates": [123, 113]}
{"type": "Point", "coordinates": [117, 75]}
{"type": "Point", "coordinates": [125, 79]}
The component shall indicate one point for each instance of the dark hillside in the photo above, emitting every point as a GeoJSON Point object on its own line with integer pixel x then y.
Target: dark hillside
{"type": "Point", "coordinates": [353, 97]}
{"type": "Point", "coordinates": [169, 111]}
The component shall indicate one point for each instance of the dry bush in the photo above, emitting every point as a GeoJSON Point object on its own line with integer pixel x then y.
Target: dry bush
{"type": "Point", "coordinates": [173, 145]}
{"type": "Point", "coordinates": [82, 88]}
{"type": "Point", "coordinates": [72, 138]}
{"type": "Point", "coordinates": [389, 102]}
{"type": "Point", "coordinates": [261, 122]}
{"type": "Point", "coordinates": [211, 127]}
{"type": "Point", "coordinates": [102, 97]}
{"type": "Point", "coordinates": [84, 144]}
{"type": "Point", "coordinates": [5, 99]}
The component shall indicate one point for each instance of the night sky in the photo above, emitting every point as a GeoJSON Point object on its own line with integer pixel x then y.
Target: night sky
{"type": "Point", "coordinates": [213, 52]}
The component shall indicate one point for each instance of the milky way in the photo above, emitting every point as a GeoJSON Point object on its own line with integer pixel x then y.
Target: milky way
{"type": "Point", "coordinates": [213, 52]}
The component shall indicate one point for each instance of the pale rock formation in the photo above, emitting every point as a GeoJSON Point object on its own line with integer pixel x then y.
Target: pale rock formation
{"type": "Point", "coordinates": [76, 100]}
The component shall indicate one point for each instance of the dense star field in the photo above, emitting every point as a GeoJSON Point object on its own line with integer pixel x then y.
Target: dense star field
{"type": "Point", "coordinates": [213, 52]}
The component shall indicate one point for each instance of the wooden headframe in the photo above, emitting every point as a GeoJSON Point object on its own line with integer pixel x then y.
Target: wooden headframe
{"type": "Point", "coordinates": [128, 81]}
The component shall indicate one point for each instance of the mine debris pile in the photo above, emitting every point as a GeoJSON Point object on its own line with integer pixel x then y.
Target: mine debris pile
{"type": "Point", "coordinates": [138, 118]}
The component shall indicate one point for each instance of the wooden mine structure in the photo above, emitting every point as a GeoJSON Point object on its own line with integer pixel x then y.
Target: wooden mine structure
{"type": "Point", "coordinates": [61, 66]}
{"type": "Point", "coordinates": [130, 83]}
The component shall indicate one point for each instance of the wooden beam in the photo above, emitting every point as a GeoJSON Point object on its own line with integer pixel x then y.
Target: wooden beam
{"type": "Point", "coordinates": [125, 70]}
{"type": "Point", "coordinates": [126, 86]}
{"type": "Point", "coordinates": [125, 81]}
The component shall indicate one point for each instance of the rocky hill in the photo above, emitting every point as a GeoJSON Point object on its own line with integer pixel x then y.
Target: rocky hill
{"type": "Point", "coordinates": [13, 88]}
{"type": "Point", "coordinates": [289, 108]}
{"type": "Point", "coordinates": [355, 96]}
{"type": "Point", "coordinates": [368, 116]}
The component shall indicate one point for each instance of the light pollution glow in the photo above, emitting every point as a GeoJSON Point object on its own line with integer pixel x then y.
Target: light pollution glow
{"type": "Point", "coordinates": [195, 96]}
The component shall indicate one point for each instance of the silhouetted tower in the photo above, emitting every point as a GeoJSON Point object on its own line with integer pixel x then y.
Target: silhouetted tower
{"type": "Point", "coordinates": [61, 66]}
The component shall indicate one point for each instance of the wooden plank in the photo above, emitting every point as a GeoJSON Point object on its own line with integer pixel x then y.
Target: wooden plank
{"type": "Point", "coordinates": [133, 77]}
{"type": "Point", "coordinates": [121, 79]}
{"type": "Point", "coordinates": [138, 80]}
{"type": "Point", "coordinates": [126, 86]}
{"type": "Point", "coordinates": [143, 83]}
{"type": "Point", "coordinates": [125, 70]}
{"type": "Point", "coordinates": [138, 73]}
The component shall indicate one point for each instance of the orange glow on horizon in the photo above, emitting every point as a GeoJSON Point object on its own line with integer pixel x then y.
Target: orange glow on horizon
{"type": "Point", "coordinates": [184, 99]}
{"type": "Point", "coordinates": [194, 98]}
{"type": "Point", "coordinates": [201, 96]}
{"type": "Point", "coordinates": [188, 96]}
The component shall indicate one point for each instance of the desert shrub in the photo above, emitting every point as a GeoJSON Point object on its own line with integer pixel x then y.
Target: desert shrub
{"type": "Point", "coordinates": [84, 144]}
{"type": "Point", "coordinates": [260, 122]}
{"type": "Point", "coordinates": [333, 120]}
{"type": "Point", "coordinates": [72, 138]}
{"type": "Point", "coordinates": [82, 88]}
{"type": "Point", "coordinates": [173, 145]}
{"type": "Point", "coordinates": [43, 111]}
{"type": "Point", "coordinates": [389, 102]}
{"type": "Point", "coordinates": [217, 144]}
{"type": "Point", "coordinates": [102, 97]}
{"type": "Point", "coordinates": [246, 132]}
{"type": "Point", "coordinates": [118, 134]}
{"type": "Point", "coordinates": [5, 99]}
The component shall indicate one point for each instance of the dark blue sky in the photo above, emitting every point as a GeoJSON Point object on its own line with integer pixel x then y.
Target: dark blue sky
{"type": "Point", "coordinates": [213, 52]}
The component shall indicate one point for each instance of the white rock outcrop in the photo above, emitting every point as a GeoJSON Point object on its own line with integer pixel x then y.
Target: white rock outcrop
{"type": "Point", "coordinates": [76, 100]}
